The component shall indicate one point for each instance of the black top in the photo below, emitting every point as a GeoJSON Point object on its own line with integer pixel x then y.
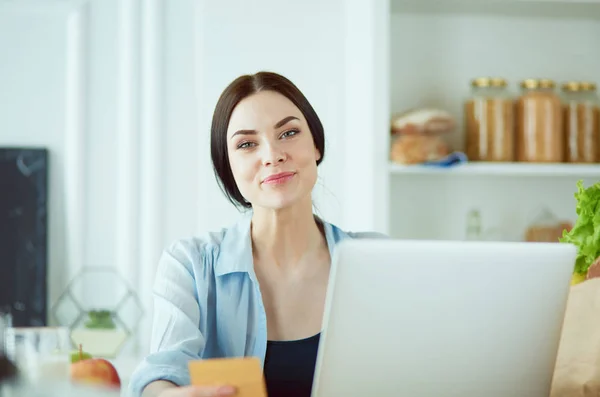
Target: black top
{"type": "Point", "coordinates": [290, 367]}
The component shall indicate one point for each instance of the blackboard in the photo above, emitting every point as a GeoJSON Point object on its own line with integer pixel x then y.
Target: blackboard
{"type": "Point", "coordinates": [23, 234]}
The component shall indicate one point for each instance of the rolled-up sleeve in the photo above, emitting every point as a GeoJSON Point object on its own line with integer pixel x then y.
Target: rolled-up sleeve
{"type": "Point", "coordinates": [176, 336]}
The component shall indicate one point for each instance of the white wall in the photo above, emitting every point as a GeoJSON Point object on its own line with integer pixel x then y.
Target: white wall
{"type": "Point", "coordinates": [42, 102]}
{"type": "Point", "coordinates": [130, 167]}
{"type": "Point", "coordinates": [302, 40]}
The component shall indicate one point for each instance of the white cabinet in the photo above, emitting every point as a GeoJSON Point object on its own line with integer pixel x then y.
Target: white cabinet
{"type": "Point", "coordinates": [431, 51]}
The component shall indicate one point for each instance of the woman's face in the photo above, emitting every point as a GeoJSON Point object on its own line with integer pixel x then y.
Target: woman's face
{"type": "Point", "coordinates": [271, 151]}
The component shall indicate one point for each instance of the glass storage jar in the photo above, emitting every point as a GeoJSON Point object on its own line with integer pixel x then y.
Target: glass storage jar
{"type": "Point", "coordinates": [489, 121]}
{"type": "Point", "coordinates": [539, 128]}
{"type": "Point", "coordinates": [592, 94]}
{"type": "Point", "coordinates": [580, 123]}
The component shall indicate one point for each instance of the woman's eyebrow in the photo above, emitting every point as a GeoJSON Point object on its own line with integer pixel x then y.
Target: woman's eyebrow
{"type": "Point", "coordinates": [280, 123]}
{"type": "Point", "coordinates": [285, 120]}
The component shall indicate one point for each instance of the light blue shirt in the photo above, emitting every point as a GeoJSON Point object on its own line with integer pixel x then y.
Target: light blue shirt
{"type": "Point", "coordinates": [207, 303]}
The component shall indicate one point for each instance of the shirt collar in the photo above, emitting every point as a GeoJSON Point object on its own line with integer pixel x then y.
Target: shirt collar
{"type": "Point", "coordinates": [235, 253]}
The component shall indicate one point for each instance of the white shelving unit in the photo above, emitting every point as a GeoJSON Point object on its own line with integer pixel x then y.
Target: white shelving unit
{"type": "Point", "coordinates": [436, 48]}
{"type": "Point", "coordinates": [425, 54]}
{"type": "Point", "coordinates": [501, 170]}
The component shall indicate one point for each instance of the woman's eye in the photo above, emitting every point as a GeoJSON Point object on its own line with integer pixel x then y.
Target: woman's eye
{"type": "Point", "coordinates": [289, 133]}
{"type": "Point", "coordinates": [245, 145]}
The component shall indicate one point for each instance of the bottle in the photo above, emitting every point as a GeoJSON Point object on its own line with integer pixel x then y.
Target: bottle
{"type": "Point", "coordinates": [473, 225]}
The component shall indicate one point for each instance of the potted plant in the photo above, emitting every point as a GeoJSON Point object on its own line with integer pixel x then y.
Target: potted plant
{"type": "Point", "coordinates": [99, 334]}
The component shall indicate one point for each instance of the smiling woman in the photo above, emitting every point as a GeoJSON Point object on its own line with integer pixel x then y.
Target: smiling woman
{"type": "Point", "coordinates": [258, 287]}
{"type": "Point", "coordinates": [257, 114]}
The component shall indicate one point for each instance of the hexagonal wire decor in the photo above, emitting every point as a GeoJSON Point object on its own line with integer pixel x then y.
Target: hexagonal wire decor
{"type": "Point", "coordinates": [101, 310]}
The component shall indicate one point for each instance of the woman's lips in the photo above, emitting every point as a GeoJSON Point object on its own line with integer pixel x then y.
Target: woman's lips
{"type": "Point", "coordinates": [278, 179]}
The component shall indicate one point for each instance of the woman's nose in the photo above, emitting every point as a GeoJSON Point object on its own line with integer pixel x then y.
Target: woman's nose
{"type": "Point", "coordinates": [272, 154]}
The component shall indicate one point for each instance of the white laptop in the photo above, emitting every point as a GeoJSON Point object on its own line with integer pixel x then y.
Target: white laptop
{"type": "Point", "coordinates": [443, 319]}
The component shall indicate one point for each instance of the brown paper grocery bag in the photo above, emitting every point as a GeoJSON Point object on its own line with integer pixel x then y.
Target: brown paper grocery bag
{"type": "Point", "coordinates": [577, 372]}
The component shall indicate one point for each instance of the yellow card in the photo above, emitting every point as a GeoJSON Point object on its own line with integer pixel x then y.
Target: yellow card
{"type": "Point", "coordinates": [244, 373]}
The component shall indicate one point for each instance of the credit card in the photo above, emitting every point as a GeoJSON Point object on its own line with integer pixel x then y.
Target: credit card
{"type": "Point", "coordinates": [244, 373]}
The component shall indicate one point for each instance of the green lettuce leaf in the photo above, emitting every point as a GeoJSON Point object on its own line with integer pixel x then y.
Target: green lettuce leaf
{"type": "Point", "coordinates": [586, 231]}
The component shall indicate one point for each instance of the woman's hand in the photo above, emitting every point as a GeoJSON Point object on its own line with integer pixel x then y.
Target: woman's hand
{"type": "Point", "coordinates": [199, 391]}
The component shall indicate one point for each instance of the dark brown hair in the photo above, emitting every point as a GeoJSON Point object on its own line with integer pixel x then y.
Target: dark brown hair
{"type": "Point", "coordinates": [241, 88]}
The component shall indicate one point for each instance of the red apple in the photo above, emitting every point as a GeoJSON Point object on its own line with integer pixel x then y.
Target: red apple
{"type": "Point", "coordinates": [95, 371]}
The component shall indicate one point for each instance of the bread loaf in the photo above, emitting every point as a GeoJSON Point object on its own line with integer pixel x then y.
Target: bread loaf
{"type": "Point", "coordinates": [423, 121]}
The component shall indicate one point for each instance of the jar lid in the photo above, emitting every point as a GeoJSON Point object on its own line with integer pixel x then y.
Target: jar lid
{"type": "Point", "coordinates": [538, 83]}
{"type": "Point", "coordinates": [530, 83]}
{"type": "Point", "coordinates": [481, 82]}
{"type": "Point", "coordinates": [547, 83]}
{"type": "Point", "coordinates": [572, 86]}
{"type": "Point", "coordinates": [498, 82]}
{"type": "Point", "coordinates": [587, 86]}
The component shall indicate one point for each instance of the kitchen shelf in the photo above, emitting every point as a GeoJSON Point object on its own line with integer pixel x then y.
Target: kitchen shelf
{"type": "Point", "coordinates": [584, 9]}
{"type": "Point", "coordinates": [426, 53]}
{"type": "Point", "coordinates": [501, 169]}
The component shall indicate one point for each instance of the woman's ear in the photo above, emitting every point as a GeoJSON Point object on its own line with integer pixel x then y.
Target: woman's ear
{"type": "Point", "coordinates": [317, 154]}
